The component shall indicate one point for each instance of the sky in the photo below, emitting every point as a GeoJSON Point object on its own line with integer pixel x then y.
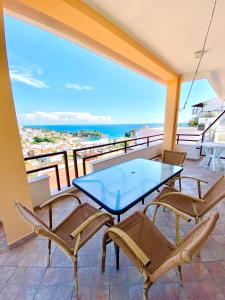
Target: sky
{"type": "Point", "coordinates": [55, 81]}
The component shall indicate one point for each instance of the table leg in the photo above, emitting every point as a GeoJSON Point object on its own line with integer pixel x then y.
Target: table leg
{"type": "Point", "coordinates": [209, 161]}
{"type": "Point", "coordinates": [118, 250]}
{"type": "Point", "coordinates": [217, 156]}
{"type": "Point", "coordinates": [213, 159]}
{"type": "Point", "coordinates": [207, 156]}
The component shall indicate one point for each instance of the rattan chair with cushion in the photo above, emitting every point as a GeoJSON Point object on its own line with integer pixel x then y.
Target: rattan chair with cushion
{"type": "Point", "coordinates": [71, 233]}
{"type": "Point", "coordinates": [150, 251]}
{"type": "Point", "coordinates": [173, 158]}
{"type": "Point", "coordinates": [192, 206]}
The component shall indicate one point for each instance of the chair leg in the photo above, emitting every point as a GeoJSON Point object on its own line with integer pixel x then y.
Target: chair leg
{"type": "Point", "coordinates": [155, 212]}
{"type": "Point", "coordinates": [145, 293]}
{"type": "Point", "coordinates": [147, 285]}
{"type": "Point", "coordinates": [180, 275]}
{"type": "Point", "coordinates": [103, 254]}
{"type": "Point", "coordinates": [177, 230]}
{"type": "Point", "coordinates": [196, 222]}
{"type": "Point", "coordinates": [75, 278]}
{"type": "Point", "coordinates": [49, 252]}
{"type": "Point", "coordinates": [180, 187]}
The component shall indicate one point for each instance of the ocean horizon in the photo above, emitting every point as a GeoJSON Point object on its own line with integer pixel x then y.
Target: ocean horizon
{"type": "Point", "coordinates": [112, 131]}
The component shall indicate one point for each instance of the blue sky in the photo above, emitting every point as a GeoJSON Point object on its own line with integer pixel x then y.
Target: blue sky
{"type": "Point", "coordinates": [57, 82]}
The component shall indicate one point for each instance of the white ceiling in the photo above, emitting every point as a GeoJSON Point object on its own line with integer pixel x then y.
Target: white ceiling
{"type": "Point", "coordinates": [174, 30]}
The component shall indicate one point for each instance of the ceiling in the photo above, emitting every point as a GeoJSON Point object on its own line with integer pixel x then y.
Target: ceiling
{"type": "Point", "coordinates": [173, 30]}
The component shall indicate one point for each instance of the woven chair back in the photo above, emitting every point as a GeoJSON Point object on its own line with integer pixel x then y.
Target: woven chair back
{"type": "Point", "coordinates": [30, 217]}
{"type": "Point", "coordinates": [174, 158]}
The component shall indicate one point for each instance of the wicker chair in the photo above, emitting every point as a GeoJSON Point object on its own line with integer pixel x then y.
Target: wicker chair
{"type": "Point", "coordinates": [150, 251]}
{"type": "Point", "coordinates": [73, 232]}
{"type": "Point", "coordinates": [173, 158]}
{"type": "Point", "coordinates": [192, 206]}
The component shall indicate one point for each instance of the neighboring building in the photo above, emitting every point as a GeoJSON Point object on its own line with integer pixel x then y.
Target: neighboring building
{"type": "Point", "coordinates": [207, 111]}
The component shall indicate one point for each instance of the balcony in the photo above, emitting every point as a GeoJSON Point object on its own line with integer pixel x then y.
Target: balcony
{"type": "Point", "coordinates": [156, 39]}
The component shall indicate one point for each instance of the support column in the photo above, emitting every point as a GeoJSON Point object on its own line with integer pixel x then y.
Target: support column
{"type": "Point", "coordinates": [171, 113]}
{"type": "Point", "coordinates": [13, 178]}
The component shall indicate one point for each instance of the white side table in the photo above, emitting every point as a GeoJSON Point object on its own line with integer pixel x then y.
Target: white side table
{"type": "Point", "coordinates": [213, 152]}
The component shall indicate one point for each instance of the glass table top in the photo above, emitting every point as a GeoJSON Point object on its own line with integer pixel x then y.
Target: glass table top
{"type": "Point", "coordinates": [121, 186]}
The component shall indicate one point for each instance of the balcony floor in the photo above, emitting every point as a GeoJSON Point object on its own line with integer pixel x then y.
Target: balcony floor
{"type": "Point", "coordinates": [23, 272]}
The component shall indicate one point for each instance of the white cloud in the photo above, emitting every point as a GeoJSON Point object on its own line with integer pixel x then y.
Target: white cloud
{"type": "Point", "coordinates": [79, 87]}
{"type": "Point", "coordinates": [65, 117]}
{"type": "Point", "coordinates": [26, 76]}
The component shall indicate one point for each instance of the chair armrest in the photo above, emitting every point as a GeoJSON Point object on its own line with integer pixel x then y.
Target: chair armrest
{"type": "Point", "coordinates": [78, 232]}
{"type": "Point", "coordinates": [57, 198]}
{"type": "Point", "coordinates": [87, 222]}
{"type": "Point", "coordinates": [199, 181]}
{"type": "Point", "coordinates": [177, 212]}
{"type": "Point", "coordinates": [168, 265]}
{"type": "Point", "coordinates": [182, 195]}
{"type": "Point", "coordinates": [194, 178]}
{"type": "Point", "coordinates": [188, 177]}
{"type": "Point", "coordinates": [52, 236]}
{"type": "Point", "coordinates": [131, 244]}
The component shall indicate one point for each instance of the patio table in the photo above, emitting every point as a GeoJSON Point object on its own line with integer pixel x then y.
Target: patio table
{"type": "Point", "coordinates": [213, 151]}
{"type": "Point", "coordinates": [120, 187]}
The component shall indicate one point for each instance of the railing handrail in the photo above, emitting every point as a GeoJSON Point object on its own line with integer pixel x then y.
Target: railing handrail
{"type": "Point", "coordinates": [213, 123]}
{"type": "Point", "coordinates": [44, 155]}
{"type": "Point", "coordinates": [111, 151]}
{"type": "Point", "coordinates": [190, 134]}
{"type": "Point", "coordinates": [46, 168]}
{"type": "Point", "coordinates": [114, 143]}
{"type": "Point", "coordinates": [64, 153]}
{"type": "Point", "coordinates": [103, 145]}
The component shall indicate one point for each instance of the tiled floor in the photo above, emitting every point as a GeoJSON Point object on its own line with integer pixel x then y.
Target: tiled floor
{"type": "Point", "coordinates": [23, 272]}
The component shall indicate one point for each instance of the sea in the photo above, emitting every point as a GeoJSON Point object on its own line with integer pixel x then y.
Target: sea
{"type": "Point", "coordinates": [111, 131]}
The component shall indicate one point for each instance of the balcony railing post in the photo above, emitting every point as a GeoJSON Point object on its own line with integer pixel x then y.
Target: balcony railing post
{"type": "Point", "coordinates": [202, 139]}
{"type": "Point", "coordinates": [46, 168]}
{"type": "Point", "coordinates": [178, 138]}
{"type": "Point", "coordinates": [125, 146]}
{"type": "Point", "coordinates": [67, 169]}
{"type": "Point", "coordinates": [84, 166]}
{"type": "Point", "coordinates": [75, 163]}
{"type": "Point", "coordinates": [148, 141]}
{"type": "Point", "coordinates": [57, 177]}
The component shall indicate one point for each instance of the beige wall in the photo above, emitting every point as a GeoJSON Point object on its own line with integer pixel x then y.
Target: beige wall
{"type": "Point", "coordinates": [39, 190]}
{"type": "Point", "coordinates": [13, 179]}
{"type": "Point", "coordinates": [146, 153]}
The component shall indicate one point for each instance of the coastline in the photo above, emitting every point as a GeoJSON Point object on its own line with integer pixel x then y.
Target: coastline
{"type": "Point", "coordinates": [110, 131]}
{"type": "Point", "coordinates": [36, 140]}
